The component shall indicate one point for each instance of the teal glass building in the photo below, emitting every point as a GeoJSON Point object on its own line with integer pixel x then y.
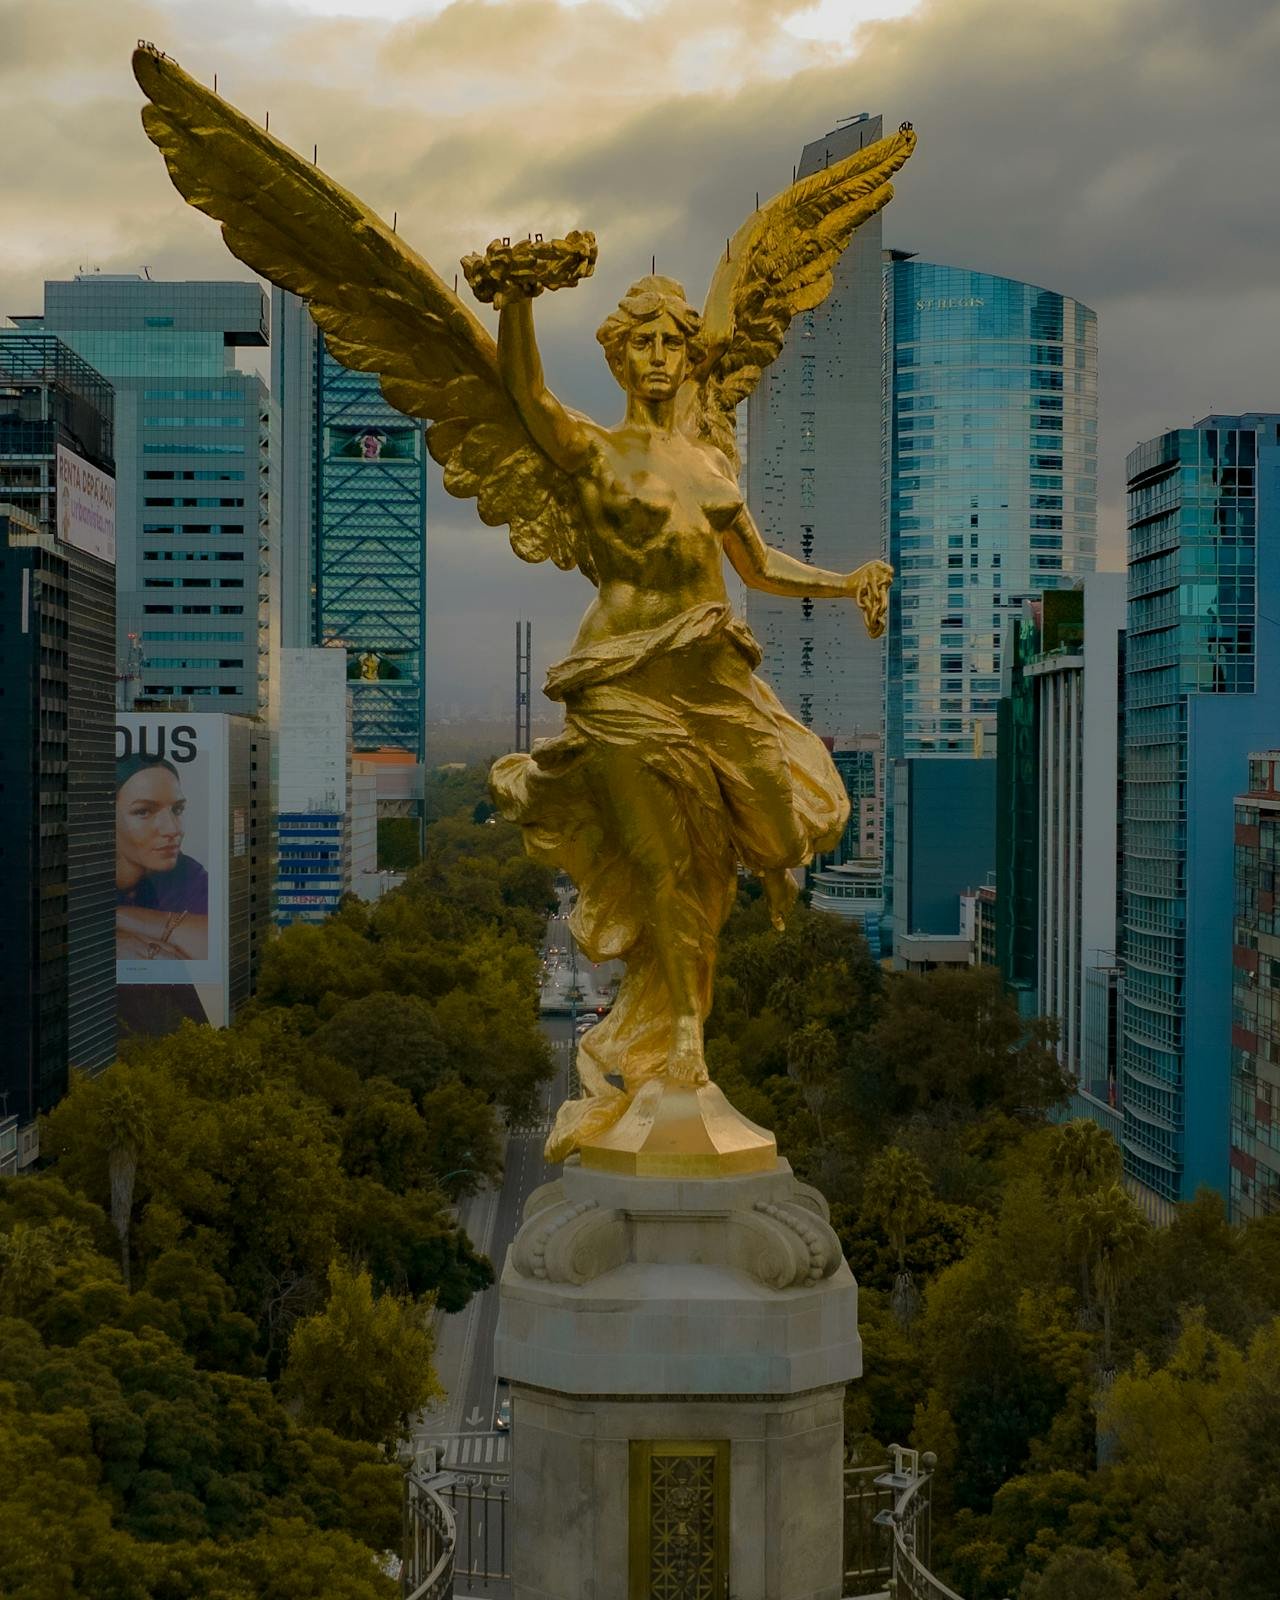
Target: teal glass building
{"type": "Point", "coordinates": [195, 489]}
{"type": "Point", "coordinates": [1202, 691]}
{"type": "Point", "coordinates": [990, 418]}
{"type": "Point", "coordinates": [1255, 998]}
{"type": "Point", "coordinates": [354, 568]}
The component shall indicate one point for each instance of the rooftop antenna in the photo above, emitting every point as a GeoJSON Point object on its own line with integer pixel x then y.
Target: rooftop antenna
{"type": "Point", "coordinates": [524, 697]}
{"type": "Point", "coordinates": [146, 272]}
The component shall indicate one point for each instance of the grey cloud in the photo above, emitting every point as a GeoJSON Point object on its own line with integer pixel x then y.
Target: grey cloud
{"type": "Point", "coordinates": [1123, 151]}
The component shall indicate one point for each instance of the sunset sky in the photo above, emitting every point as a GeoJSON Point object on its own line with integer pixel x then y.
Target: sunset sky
{"type": "Point", "coordinates": [1122, 151]}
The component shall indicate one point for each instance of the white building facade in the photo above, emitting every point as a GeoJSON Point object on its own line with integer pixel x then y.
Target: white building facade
{"type": "Point", "coordinates": [1078, 720]}
{"type": "Point", "coordinates": [813, 478]}
{"type": "Point", "coordinates": [313, 783]}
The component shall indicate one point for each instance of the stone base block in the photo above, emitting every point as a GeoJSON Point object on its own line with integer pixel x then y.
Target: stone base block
{"type": "Point", "coordinates": [583, 1497]}
{"type": "Point", "coordinates": [677, 1351]}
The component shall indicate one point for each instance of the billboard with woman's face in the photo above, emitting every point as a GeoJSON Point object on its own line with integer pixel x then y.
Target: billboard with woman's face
{"type": "Point", "coordinates": [171, 860]}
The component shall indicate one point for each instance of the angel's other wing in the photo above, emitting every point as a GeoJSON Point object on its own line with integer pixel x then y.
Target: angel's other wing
{"type": "Point", "coordinates": [380, 305]}
{"type": "Point", "coordinates": [779, 263]}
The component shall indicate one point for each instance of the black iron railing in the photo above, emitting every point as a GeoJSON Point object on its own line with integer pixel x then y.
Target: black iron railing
{"type": "Point", "coordinates": [430, 1538]}
{"type": "Point", "coordinates": [909, 1522]}
{"type": "Point", "coordinates": [458, 1528]}
{"type": "Point", "coordinates": [481, 1506]}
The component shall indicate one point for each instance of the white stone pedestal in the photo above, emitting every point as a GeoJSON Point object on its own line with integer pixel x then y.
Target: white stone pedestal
{"type": "Point", "coordinates": [677, 1351]}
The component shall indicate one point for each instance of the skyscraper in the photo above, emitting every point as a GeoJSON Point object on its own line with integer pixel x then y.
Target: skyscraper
{"type": "Point", "coordinates": [354, 535]}
{"type": "Point", "coordinates": [57, 678]}
{"type": "Point", "coordinates": [57, 669]}
{"type": "Point", "coordinates": [990, 426]}
{"type": "Point", "coordinates": [1202, 690]}
{"type": "Point", "coordinates": [194, 462]}
{"type": "Point", "coordinates": [1255, 985]}
{"type": "Point", "coordinates": [813, 478]}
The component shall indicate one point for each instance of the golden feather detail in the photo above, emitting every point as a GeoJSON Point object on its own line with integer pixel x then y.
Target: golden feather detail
{"type": "Point", "coordinates": [779, 264]}
{"type": "Point", "coordinates": [379, 305]}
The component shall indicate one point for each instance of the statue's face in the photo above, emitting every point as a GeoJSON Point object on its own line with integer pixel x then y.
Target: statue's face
{"type": "Point", "coordinates": [656, 355]}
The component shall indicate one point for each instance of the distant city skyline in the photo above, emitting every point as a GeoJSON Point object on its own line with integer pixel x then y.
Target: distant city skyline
{"type": "Point", "coordinates": [1055, 147]}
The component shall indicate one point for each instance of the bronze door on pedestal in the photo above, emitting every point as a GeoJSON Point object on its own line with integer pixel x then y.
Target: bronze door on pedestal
{"type": "Point", "coordinates": [679, 1520]}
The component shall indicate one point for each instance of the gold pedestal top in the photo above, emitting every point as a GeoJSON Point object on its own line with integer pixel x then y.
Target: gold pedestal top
{"type": "Point", "coordinates": [672, 1130]}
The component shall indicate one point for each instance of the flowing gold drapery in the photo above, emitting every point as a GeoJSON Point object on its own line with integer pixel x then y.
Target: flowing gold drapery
{"type": "Point", "coordinates": [669, 729]}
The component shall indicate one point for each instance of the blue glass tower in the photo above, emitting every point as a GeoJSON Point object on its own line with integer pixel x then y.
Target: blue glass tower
{"type": "Point", "coordinates": [1202, 690]}
{"type": "Point", "coordinates": [354, 530]}
{"type": "Point", "coordinates": [990, 456]}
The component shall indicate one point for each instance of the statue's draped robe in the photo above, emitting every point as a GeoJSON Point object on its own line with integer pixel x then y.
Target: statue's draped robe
{"type": "Point", "coordinates": [741, 781]}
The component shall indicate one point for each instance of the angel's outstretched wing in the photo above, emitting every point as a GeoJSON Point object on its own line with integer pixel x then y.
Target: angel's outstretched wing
{"type": "Point", "coordinates": [380, 305]}
{"type": "Point", "coordinates": [780, 262]}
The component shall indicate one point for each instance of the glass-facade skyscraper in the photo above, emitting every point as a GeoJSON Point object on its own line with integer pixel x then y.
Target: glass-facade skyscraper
{"type": "Point", "coordinates": [196, 499]}
{"type": "Point", "coordinates": [990, 496]}
{"type": "Point", "coordinates": [991, 430]}
{"type": "Point", "coordinates": [1255, 1000]}
{"type": "Point", "coordinates": [1202, 691]}
{"type": "Point", "coordinates": [354, 535]}
{"type": "Point", "coordinates": [57, 758]}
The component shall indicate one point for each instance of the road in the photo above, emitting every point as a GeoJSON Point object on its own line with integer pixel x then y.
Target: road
{"type": "Point", "coordinates": [461, 1428]}
{"type": "Point", "coordinates": [524, 1170]}
{"type": "Point", "coordinates": [567, 970]}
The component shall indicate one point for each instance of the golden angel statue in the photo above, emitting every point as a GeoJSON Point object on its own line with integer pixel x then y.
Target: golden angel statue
{"type": "Point", "coordinates": [676, 763]}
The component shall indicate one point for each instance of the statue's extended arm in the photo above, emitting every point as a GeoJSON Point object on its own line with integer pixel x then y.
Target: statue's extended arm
{"type": "Point", "coordinates": [554, 429]}
{"type": "Point", "coordinates": [773, 572]}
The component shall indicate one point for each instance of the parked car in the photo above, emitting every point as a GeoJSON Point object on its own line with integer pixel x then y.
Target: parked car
{"type": "Point", "coordinates": [502, 1416]}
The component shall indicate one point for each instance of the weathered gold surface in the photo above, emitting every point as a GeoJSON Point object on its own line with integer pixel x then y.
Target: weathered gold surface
{"type": "Point", "coordinates": [674, 1130]}
{"type": "Point", "coordinates": [676, 763]}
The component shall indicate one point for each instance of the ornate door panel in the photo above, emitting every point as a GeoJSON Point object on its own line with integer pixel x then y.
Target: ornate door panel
{"type": "Point", "coordinates": [679, 1520]}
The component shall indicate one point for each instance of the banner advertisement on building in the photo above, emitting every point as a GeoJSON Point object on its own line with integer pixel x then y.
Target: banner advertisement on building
{"type": "Point", "coordinates": [172, 832]}
{"type": "Point", "coordinates": [86, 506]}
{"type": "Point", "coordinates": [372, 443]}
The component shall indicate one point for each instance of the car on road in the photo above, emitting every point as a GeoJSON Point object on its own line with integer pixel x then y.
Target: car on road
{"type": "Point", "coordinates": [502, 1416]}
{"type": "Point", "coordinates": [587, 1024]}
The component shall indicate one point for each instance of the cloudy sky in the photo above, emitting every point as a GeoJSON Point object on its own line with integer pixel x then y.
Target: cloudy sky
{"type": "Point", "coordinates": [1126, 152]}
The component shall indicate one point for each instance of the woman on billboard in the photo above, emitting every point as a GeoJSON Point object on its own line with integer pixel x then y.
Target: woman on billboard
{"type": "Point", "coordinates": [162, 895]}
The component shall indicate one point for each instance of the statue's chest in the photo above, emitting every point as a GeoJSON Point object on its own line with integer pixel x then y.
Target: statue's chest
{"type": "Point", "coordinates": [646, 499]}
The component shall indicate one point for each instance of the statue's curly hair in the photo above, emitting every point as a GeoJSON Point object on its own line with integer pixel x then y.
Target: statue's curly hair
{"type": "Point", "coordinates": [646, 299]}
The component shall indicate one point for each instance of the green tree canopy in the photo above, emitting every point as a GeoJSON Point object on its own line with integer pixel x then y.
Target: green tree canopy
{"type": "Point", "coordinates": [362, 1365]}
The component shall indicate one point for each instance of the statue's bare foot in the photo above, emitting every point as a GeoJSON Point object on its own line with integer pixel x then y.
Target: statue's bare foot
{"type": "Point", "coordinates": [685, 1062]}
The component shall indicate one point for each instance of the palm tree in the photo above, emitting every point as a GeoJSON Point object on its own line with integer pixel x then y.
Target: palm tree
{"type": "Point", "coordinates": [811, 1061]}
{"type": "Point", "coordinates": [1107, 1230]}
{"type": "Point", "coordinates": [895, 1194]}
{"type": "Point", "coordinates": [125, 1120]}
{"type": "Point", "coordinates": [1082, 1158]}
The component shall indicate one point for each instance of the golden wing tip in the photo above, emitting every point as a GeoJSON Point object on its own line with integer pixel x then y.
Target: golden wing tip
{"type": "Point", "coordinates": [146, 55]}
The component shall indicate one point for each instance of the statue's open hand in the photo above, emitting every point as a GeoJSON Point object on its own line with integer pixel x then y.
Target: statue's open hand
{"type": "Point", "coordinates": [522, 268]}
{"type": "Point", "coordinates": [869, 586]}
